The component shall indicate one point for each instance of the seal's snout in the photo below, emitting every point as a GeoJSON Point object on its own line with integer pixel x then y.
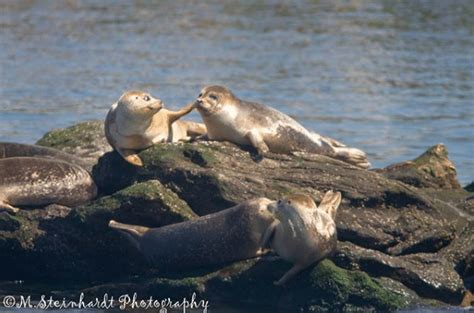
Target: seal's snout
{"type": "Point", "coordinates": [155, 106]}
{"type": "Point", "coordinates": [198, 103]}
{"type": "Point", "coordinates": [272, 207]}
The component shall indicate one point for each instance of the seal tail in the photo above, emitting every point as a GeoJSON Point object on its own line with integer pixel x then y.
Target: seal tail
{"type": "Point", "coordinates": [352, 155]}
{"type": "Point", "coordinates": [330, 203]}
{"type": "Point", "coordinates": [195, 129]}
{"type": "Point", "coordinates": [132, 232]}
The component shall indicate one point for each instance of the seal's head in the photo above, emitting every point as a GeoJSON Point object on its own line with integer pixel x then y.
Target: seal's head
{"type": "Point", "coordinates": [212, 99]}
{"type": "Point", "coordinates": [302, 214]}
{"type": "Point", "coordinates": [291, 205]}
{"type": "Point", "coordinates": [139, 104]}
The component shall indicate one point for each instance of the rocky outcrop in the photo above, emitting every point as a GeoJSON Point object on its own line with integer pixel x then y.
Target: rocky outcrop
{"type": "Point", "coordinates": [432, 169]}
{"type": "Point", "coordinates": [406, 232]}
{"type": "Point", "coordinates": [86, 140]}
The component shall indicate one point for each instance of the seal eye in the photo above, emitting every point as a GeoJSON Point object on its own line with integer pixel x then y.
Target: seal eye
{"type": "Point", "coordinates": [136, 97]}
{"type": "Point", "coordinates": [213, 97]}
{"type": "Point", "coordinates": [146, 98]}
{"type": "Point", "coordinates": [200, 95]}
{"type": "Point", "coordinates": [279, 202]}
{"type": "Point", "coordinates": [289, 202]}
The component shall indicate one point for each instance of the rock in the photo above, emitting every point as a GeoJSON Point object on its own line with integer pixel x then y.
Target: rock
{"type": "Point", "coordinates": [86, 140]}
{"type": "Point", "coordinates": [432, 169]}
{"type": "Point", "coordinates": [76, 244]}
{"type": "Point", "coordinates": [249, 284]}
{"type": "Point", "coordinates": [411, 241]}
{"type": "Point", "coordinates": [431, 275]}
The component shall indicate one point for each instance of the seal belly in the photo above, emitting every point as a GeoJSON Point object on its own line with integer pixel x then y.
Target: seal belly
{"type": "Point", "coordinates": [26, 181]}
{"type": "Point", "coordinates": [287, 139]}
{"type": "Point", "coordinates": [225, 130]}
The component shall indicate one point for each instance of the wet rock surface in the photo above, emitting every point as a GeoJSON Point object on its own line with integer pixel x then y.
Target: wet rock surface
{"type": "Point", "coordinates": [406, 232]}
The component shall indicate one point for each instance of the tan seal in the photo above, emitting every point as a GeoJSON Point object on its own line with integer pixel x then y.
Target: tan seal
{"type": "Point", "coordinates": [138, 120]}
{"type": "Point", "coordinates": [228, 118]}
{"type": "Point", "coordinates": [302, 232]}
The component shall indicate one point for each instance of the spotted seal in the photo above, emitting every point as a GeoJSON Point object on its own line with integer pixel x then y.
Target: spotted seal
{"type": "Point", "coordinates": [227, 118]}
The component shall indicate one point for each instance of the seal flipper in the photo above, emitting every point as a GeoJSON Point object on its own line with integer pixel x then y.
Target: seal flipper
{"type": "Point", "coordinates": [194, 129]}
{"type": "Point", "coordinates": [133, 232]}
{"type": "Point", "coordinates": [330, 203]}
{"type": "Point", "coordinates": [258, 143]}
{"type": "Point", "coordinates": [6, 207]}
{"type": "Point", "coordinates": [290, 274]}
{"type": "Point", "coordinates": [175, 115]}
{"type": "Point", "coordinates": [130, 156]}
{"type": "Point", "coordinates": [352, 155]}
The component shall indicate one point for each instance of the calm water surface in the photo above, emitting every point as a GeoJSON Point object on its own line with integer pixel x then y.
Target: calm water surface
{"type": "Point", "coordinates": [390, 77]}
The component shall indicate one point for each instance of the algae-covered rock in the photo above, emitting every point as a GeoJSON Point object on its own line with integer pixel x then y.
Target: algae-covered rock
{"type": "Point", "coordinates": [249, 284]}
{"type": "Point", "coordinates": [432, 169]}
{"type": "Point", "coordinates": [86, 140]}
{"type": "Point", "coordinates": [324, 286]}
{"type": "Point", "coordinates": [76, 244]}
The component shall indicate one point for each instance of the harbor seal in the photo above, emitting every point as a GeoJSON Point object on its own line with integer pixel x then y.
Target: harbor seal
{"type": "Point", "coordinates": [229, 235]}
{"type": "Point", "coordinates": [303, 233]}
{"type": "Point", "coordinates": [138, 120]}
{"type": "Point", "coordinates": [13, 149]}
{"type": "Point", "coordinates": [32, 181]}
{"type": "Point", "coordinates": [294, 227]}
{"type": "Point", "coordinates": [227, 118]}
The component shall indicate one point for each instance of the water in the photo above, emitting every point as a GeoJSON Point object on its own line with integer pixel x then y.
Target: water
{"type": "Point", "coordinates": [390, 77]}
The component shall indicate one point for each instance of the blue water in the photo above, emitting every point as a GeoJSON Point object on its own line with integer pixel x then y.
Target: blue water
{"type": "Point", "coordinates": [390, 77]}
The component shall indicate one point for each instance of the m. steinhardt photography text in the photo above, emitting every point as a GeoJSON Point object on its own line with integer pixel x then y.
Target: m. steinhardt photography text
{"type": "Point", "coordinates": [123, 302]}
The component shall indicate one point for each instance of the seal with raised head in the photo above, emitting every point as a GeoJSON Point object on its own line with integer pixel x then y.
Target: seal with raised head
{"type": "Point", "coordinates": [227, 118]}
{"type": "Point", "coordinates": [229, 235]}
{"type": "Point", "coordinates": [303, 233]}
{"type": "Point", "coordinates": [138, 120]}
{"type": "Point", "coordinates": [33, 181]}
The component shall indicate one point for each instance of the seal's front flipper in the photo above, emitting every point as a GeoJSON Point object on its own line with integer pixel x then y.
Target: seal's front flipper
{"type": "Point", "coordinates": [290, 274]}
{"type": "Point", "coordinates": [257, 142]}
{"type": "Point", "coordinates": [175, 115]}
{"type": "Point", "coordinates": [268, 234]}
{"type": "Point", "coordinates": [330, 203]}
{"type": "Point", "coordinates": [130, 156]}
{"type": "Point", "coordinates": [6, 207]}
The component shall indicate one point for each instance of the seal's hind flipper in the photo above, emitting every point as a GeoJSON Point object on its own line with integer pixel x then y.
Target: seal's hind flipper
{"type": "Point", "coordinates": [330, 203]}
{"type": "Point", "coordinates": [130, 156]}
{"type": "Point", "coordinates": [132, 232]}
{"type": "Point", "coordinates": [6, 207]}
{"type": "Point", "coordinates": [352, 155]}
{"type": "Point", "coordinates": [194, 129]}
